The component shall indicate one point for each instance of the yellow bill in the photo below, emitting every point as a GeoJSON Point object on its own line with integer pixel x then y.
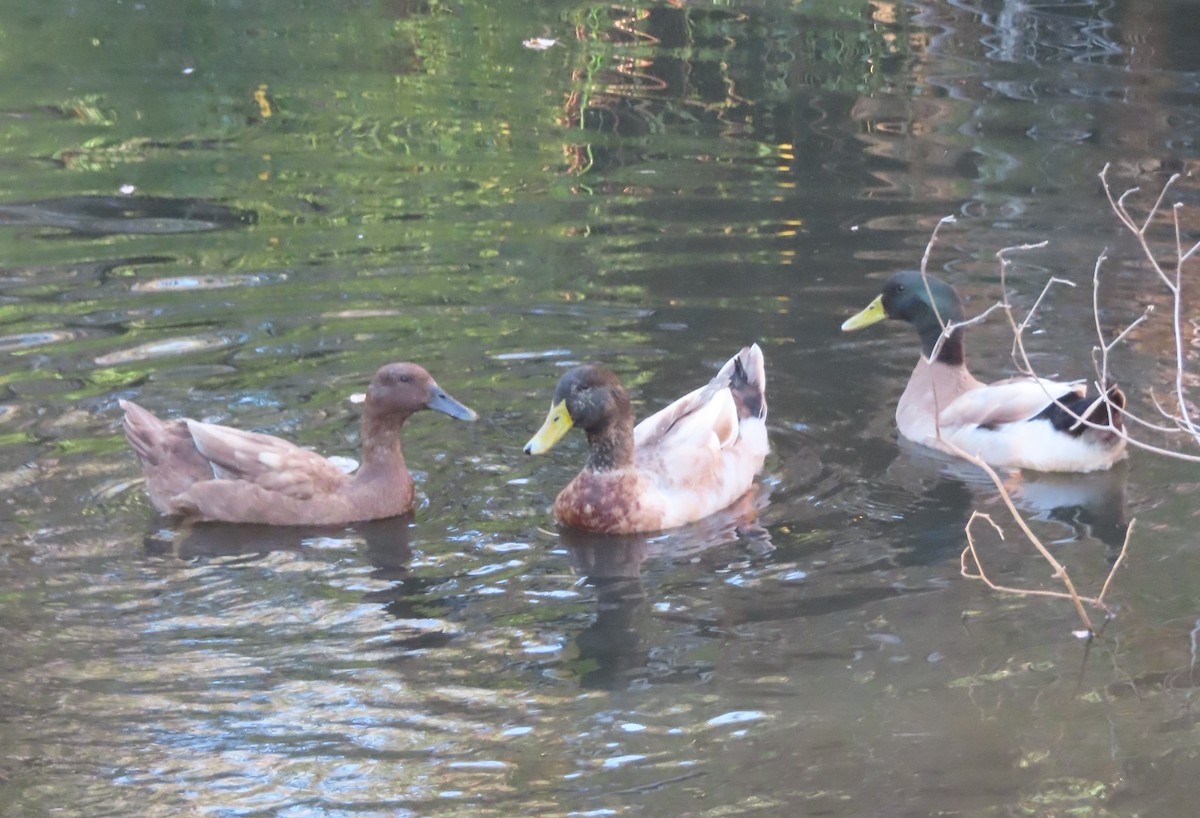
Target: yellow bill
{"type": "Point", "coordinates": [557, 424]}
{"type": "Point", "coordinates": [871, 315]}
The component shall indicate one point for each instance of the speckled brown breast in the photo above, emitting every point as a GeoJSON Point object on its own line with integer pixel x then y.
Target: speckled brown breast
{"type": "Point", "coordinates": [607, 502]}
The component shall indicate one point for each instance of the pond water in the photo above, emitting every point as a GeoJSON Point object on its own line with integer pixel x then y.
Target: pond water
{"type": "Point", "coordinates": [238, 211]}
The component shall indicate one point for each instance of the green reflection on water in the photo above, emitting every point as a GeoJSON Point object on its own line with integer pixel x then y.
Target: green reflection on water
{"type": "Point", "coordinates": [665, 183]}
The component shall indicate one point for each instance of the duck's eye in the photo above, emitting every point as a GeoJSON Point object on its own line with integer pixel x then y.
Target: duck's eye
{"type": "Point", "coordinates": [899, 288]}
{"type": "Point", "coordinates": [405, 378]}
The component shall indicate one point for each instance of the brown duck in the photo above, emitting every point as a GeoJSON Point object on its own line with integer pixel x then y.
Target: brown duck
{"type": "Point", "coordinates": [686, 461]}
{"type": "Point", "coordinates": [203, 471]}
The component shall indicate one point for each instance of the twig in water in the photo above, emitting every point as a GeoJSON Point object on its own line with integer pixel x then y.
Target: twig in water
{"type": "Point", "coordinates": [1060, 572]}
{"type": "Point", "coordinates": [654, 785]}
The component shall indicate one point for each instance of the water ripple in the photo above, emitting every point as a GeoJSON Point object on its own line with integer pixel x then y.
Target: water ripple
{"type": "Point", "coordinates": [206, 282]}
{"type": "Point", "coordinates": [170, 347]}
{"type": "Point", "coordinates": [27, 340]}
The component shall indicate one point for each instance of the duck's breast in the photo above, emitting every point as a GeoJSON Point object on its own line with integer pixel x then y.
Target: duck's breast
{"type": "Point", "coordinates": [613, 502]}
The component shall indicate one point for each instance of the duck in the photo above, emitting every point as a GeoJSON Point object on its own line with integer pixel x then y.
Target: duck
{"type": "Point", "coordinates": [206, 472]}
{"type": "Point", "coordinates": [690, 459]}
{"type": "Point", "coordinates": [1020, 423]}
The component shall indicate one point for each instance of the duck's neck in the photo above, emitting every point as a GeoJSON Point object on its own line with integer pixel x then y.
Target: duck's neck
{"type": "Point", "coordinates": [381, 451]}
{"type": "Point", "coordinates": [952, 352]}
{"type": "Point", "coordinates": [610, 447]}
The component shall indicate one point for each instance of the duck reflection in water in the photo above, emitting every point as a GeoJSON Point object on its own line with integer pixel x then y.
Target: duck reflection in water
{"type": "Point", "coordinates": [610, 649]}
{"type": "Point", "coordinates": [387, 545]}
{"type": "Point", "coordinates": [386, 541]}
{"type": "Point", "coordinates": [1090, 505]}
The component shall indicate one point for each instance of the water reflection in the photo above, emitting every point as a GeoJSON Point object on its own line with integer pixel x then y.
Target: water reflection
{"type": "Point", "coordinates": [610, 650]}
{"type": "Point", "coordinates": [72, 278]}
{"type": "Point", "coordinates": [611, 653]}
{"type": "Point", "coordinates": [1083, 506]}
{"type": "Point", "coordinates": [386, 542]}
{"type": "Point", "coordinates": [1040, 34]}
{"type": "Point", "coordinates": [170, 347]}
{"type": "Point", "coordinates": [729, 173]}
{"type": "Point", "coordinates": [130, 215]}
{"type": "Point", "coordinates": [422, 616]}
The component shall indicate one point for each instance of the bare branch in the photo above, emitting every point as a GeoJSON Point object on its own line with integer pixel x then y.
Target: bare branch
{"type": "Point", "coordinates": [1120, 561]}
{"type": "Point", "coordinates": [1179, 354]}
{"type": "Point", "coordinates": [1180, 419]}
{"type": "Point", "coordinates": [1038, 302]}
{"type": "Point", "coordinates": [1117, 206]}
{"type": "Point", "coordinates": [1060, 572]}
{"type": "Point", "coordinates": [925, 264]}
{"type": "Point", "coordinates": [1122, 213]}
{"type": "Point", "coordinates": [1121, 336]}
{"type": "Point", "coordinates": [1158, 202]}
{"type": "Point", "coordinates": [948, 329]}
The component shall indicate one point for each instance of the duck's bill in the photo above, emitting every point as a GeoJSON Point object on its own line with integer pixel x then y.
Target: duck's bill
{"type": "Point", "coordinates": [557, 424]}
{"type": "Point", "coordinates": [439, 401]}
{"type": "Point", "coordinates": [873, 314]}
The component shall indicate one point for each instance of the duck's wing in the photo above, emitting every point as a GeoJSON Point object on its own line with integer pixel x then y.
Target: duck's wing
{"type": "Point", "coordinates": [705, 417]}
{"type": "Point", "coordinates": [269, 462]}
{"type": "Point", "coordinates": [1008, 401]}
{"type": "Point", "coordinates": [703, 451]}
{"type": "Point", "coordinates": [711, 414]}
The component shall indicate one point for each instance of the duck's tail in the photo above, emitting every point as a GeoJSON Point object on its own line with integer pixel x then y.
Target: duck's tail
{"type": "Point", "coordinates": [143, 430]}
{"type": "Point", "coordinates": [1107, 409]}
{"type": "Point", "coordinates": [1084, 413]}
{"type": "Point", "coordinates": [747, 377]}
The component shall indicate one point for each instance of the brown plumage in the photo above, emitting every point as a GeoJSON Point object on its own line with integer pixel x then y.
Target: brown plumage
{"type": "Point", "coordinates": [606, 501]}
{"type": "Point", "coordinates": [203, 471]}
{"type": "Point", "coordinates": [692, 458]}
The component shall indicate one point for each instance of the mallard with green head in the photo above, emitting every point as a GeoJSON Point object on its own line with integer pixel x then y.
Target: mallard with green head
{"type": "Point", "coordinates": [686, 461]}
{"type": "Point", "coordinates": [1022, 422]}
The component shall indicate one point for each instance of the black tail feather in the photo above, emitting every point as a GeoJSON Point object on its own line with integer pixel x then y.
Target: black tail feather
{"type": "Point", "coordinates": [1073, 414]}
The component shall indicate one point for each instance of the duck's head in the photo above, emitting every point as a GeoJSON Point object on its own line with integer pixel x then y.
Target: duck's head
{"type": "Point", "coordinates": [589, 397]}
{"type": "Point", "coordinates": [926, 302]}
{"type": "Point", "coordinates": [400, 389]}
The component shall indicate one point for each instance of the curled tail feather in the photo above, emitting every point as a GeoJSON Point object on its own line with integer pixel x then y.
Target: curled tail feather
{"type": "Point", "coordinates": [748, 382]}
{"type": "Point", "coordinates": [1106, 410]}
{"type": "Point", "coordinates": [1079, 414]}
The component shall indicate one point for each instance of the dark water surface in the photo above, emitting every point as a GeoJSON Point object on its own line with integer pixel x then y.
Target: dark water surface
{"type": "Point", "coordinates": [238, 211]}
